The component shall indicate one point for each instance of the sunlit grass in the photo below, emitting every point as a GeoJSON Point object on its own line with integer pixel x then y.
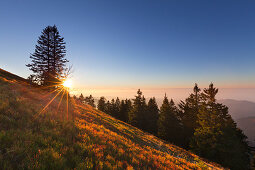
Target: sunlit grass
{"type": "Point", "coordinates": [61, 88]}
{"type": "Point", "coordinates": [54, 139]}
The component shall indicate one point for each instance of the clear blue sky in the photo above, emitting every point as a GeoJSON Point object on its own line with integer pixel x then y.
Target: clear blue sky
{"type": "Point", "coordinates": [138, 43]}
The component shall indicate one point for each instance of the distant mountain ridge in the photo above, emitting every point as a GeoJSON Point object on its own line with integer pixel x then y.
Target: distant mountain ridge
{"type": "Point", "coordinates": [243, 112]}
{"type": "Point", "coordinates": [239, 108]}
{"type": "Point", "coordinates": [248, 126]}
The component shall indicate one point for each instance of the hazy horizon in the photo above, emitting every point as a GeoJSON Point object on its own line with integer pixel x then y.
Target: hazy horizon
{"type": "Point", "coordinates": [176, 94]}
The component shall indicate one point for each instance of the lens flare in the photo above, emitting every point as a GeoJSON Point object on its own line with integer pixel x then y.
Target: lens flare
{"type": "Point", "coordinates": [67, 83]}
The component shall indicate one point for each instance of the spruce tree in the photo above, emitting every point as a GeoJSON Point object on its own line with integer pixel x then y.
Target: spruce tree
{"type": "Point", "coordinates": [102, 104]}
{"type": "Point", "coordinates": [125, 108]}
{"type": "Point", "coordinates": [74, 97]}
{"type": "Point", "coordinates": [209, 94]}
{"type": "Point", "coordinates": [48, 61]}
{"type": "Point", "coordinates": [81, 98]}
{"type": "Point", "coordinates": [151, 117]}
{"type": "Point", "coordinates": [169, 126]}
{"type": "Point", "coordinates": [112, 108]}
{"type": "Point", "coordinates": [117, 108]}
{"type": "Point", "coordinates": [138, 112]}
{"type": "Point", "coordinates": [90, 101]}
{"type": "Point", "coordinates": [217, 137]}
{"type": "Point", "coordinates": [108, 107]}
{"type": "Point", "coordinates": [188, 114]}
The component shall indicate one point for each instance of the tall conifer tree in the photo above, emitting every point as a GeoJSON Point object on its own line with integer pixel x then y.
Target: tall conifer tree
{"type": "Point", "coordinates": [138, 112]}
{"type": "Point", "coordinates": [81, 98]}
{"type": "Point", "coordinates": [112, 108]}
{"type": "Point", "coordinates": [169, 126]}
{"type": "Point", "coordinates": [217, 137]}
{"type": "Point", "coordinates": [108, 107]}
{"type": "Point", "coordinates": [48, 60]}
{"type": "Point", "coordinates": [125, 108]}
{"type": "Point", "coordinates": [188, 113]}
{"type": "Point", "coordinates": [117, 108]}
{"type": "Point", "coordinates": [90, 101]}
{"type": "Point", "coordinates": [151, 117]}
{"type": "Point", "coordinates": [102, 104]}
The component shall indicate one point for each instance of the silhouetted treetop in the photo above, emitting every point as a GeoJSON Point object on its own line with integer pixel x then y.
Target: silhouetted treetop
{"type": "Point", "coordinates": [48, 60]}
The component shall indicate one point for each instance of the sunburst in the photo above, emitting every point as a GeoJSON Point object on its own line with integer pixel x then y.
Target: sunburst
{"type": "Point", "coordinates": [67, 83]}
{"type": "Point", "coordinates": [62, 86]}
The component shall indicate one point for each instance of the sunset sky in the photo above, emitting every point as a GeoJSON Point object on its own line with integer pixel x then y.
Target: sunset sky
{"type": "Point", "coordinates": [122, 45]}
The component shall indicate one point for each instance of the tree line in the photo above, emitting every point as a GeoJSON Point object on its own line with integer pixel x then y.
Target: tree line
{"type": "Point", "coordinates": [198, 123]}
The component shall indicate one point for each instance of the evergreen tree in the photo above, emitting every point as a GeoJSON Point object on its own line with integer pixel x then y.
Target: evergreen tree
{"type": "Point", "coordinates": [197, 97]}
{"type": "Point", "coordinates": [108, 107]}
{"type": "Point", "coordinates": [90, 101]}
{"type": "Point", "coordinates": [48, 60]}
{"type": "Point", "coordinates": [217, 137]}
{"type": "Point", "coordinates": [209, 94]}
{"type": "Point", "coordinates": [138, 112]}
{"type": "Point", "coordinates": [81, 98]}
{"type": "Point", "coordinates": [169, 126]}
{"type": "Point", "coordinates": [117, 108]}
{"type": "Point", "coordinates": [125, 108]}
{"type": "Point", "coordinates": [151, 117]}
{"type": "Point", "coordinates": [188, 114]}
{"type": "Point", "coordinates": [112, 108]}
{"type": "Point", "coordinates": [74, 97]}
{"type": "Point", "coordinates": [102, 104]}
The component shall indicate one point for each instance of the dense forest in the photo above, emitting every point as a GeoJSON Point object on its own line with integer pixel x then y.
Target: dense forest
{"type": "Point", "coordinates": [198, 123]}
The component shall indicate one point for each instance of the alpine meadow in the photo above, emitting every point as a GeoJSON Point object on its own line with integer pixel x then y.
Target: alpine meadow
{"type": "Point", "coordinates": [130, 85]}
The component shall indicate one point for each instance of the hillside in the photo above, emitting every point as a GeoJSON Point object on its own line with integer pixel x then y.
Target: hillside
{"type": "Point", "coordinates": [35, 138]}
{"type": "Point", "coordinates": [7, 75]}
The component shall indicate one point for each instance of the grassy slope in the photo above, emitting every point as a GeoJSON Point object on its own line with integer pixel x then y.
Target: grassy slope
{"type": "Point", "coordinates": [34, 140]}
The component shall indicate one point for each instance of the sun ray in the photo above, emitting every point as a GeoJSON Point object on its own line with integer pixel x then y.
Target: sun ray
{"type": "Point", "coordinates": [60, 100]}
{"type": "Point", "coordinates": [58, 83]}
{"type": "Point", "coordinates": [48, 87]}
{"type": "Point", "coordinates": [67, 104]}
{"type": "Point", "coordinates": [52, 92]}
{"type": "Point", "coordinates": [53, 76]}
{"type": "Point", "coordinates": [50, 101]}
{"type": "Point", "coordinates": [58, 88]}
{"type": "Point", "coordinates": [61, 86]}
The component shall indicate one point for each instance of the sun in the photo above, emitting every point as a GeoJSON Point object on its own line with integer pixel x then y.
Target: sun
{"type": "Point", "coordinates": [67, 83]}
